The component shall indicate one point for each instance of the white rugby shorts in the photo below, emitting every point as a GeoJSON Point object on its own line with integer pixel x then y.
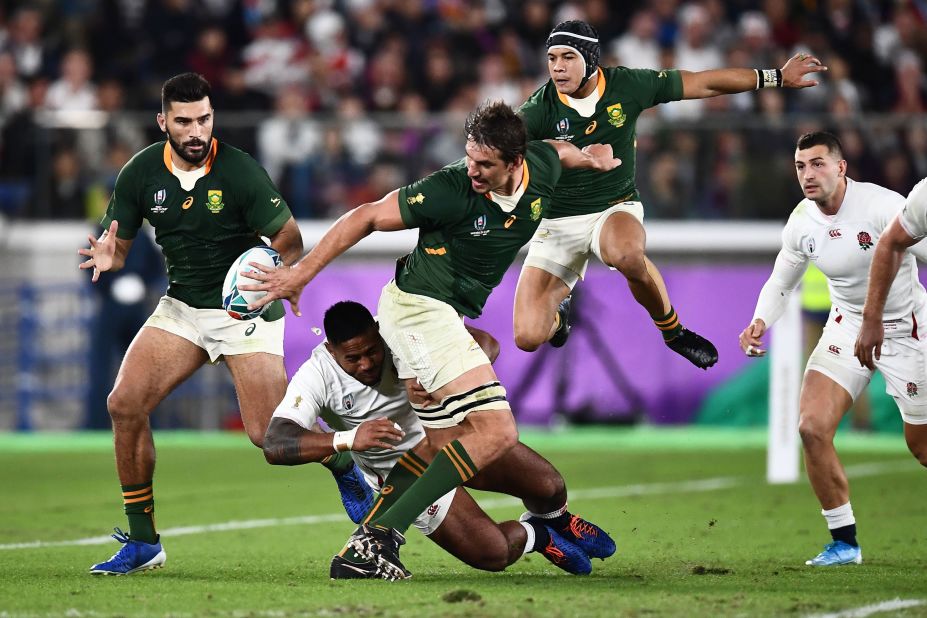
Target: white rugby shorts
{"type": "Point", "coordinates": [903, 365]}
{"type": "Point", "coordinates": [217, 332]}
{"type": "Point", "coordinates": [562, 246]}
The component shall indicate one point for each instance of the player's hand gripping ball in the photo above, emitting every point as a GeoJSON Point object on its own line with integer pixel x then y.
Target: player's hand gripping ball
{"type": "Point", "coordinates": [236, 301]}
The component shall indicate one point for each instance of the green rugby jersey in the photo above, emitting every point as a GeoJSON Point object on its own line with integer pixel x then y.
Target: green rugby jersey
{"type": "Point", "coordinates": [623, 94]}
{"type": "Point", "coordinates": [467, 241]}
{"type": "Point", "coordinates": [203, 230]}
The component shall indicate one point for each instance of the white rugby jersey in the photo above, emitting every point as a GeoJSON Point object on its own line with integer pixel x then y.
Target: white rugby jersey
{"type": "Point", "coordinates": [841, 246]}
{"type": "Point", "coordinates": [322, 388]}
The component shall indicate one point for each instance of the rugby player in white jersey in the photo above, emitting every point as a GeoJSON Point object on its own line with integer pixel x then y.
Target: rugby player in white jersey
{"type": "Point", "coordinates": [837, 226]}
{"type": "Point", "coordinates": [350, 381]}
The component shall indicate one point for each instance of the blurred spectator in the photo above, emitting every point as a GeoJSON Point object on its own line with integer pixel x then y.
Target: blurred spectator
{"type": "Point", "coordinates": [174, 26]}
{"type": "Point", "coordinates": [494, 84]}
{"type": "Point", "coordinates": [909, 81]}
{"type": "Point", "coordinates": [638, 48]}
{"type": "Point", "coordinates": [25, 43]}
{"type": "Point", "coordinates": [73, 91]}
{"type": "Point", "coordinates": [95, 144]}
{"type": "Point", "coordinates": [274, 57]}
{"type": "Point", "coordinates": [695, 50]}
{"type": "Point", "coordinates": [67, 185]}
{"type": "Point", "coordinates": [13, 94]}
{"type": "Point", "coordinates": [211, 56]}
{"type": "Point", "coordinates": [287, 142]}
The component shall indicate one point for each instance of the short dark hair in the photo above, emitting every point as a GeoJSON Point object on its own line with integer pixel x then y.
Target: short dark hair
{"type": "Point", "coordinates": [346, 320]}
{"type": "Point", "coordinates": [496, 125]}
{"type": "Point", "coordinates": [821, 138]}
{"type": "Point", "coordinates": [185, 88]}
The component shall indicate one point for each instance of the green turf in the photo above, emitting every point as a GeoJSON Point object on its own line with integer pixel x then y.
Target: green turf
{"type": "Point", "coordinates": [736, 551]}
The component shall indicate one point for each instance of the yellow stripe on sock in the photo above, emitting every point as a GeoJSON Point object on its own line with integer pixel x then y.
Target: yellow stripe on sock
{"type": "Point", "coordinates": [672, 318]}
{"type": "Point", "coordinates": [129, 494]}
{"type": "Point", "coordinates": [465, 472]}
{"type": "Point", "coordinates": [412, 465]}
{"type": "Point", "coordinates": [671, 326]}
{"type": "Point", "coordinates": [148, 496]}
{"type": "Point", "coordinates": [373, 511]}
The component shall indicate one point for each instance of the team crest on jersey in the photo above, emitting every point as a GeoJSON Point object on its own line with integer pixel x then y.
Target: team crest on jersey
{"type": "Point", "coordinates": [912, 389]}
{"type": "Point", "coordinates": [536, 209]}
{"type": "Point", "coordinates": [347, 402]}
{"type": "Point", "coordinates": [865, 240]}
{"type": "Point", "coordinates": [214, 200]}
{"type": "Point", "coordinates": [616, 115]}
{"type": "Point", "coordinates": [479, 226]}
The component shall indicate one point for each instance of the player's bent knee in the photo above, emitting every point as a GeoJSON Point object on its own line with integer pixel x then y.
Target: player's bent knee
{"type": "Point", "coordinates": [813, 432]}
{"type": "Point", "coordinates": [529, 341]}
{"type": "Point", "coordinates": [630, 263]}
{"type": "Point", "coordinates": [122, 406]}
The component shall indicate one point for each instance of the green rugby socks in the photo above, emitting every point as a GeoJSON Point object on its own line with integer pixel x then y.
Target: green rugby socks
{"type": "Point", "coordinates": [139, 507]}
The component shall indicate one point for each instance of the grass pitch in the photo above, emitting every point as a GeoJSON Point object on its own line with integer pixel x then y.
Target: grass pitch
{"type": "Point", "coordinates": [699, 533]}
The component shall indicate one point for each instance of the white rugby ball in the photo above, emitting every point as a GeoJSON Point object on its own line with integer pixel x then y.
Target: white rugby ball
{"type": "Point", "coordinates": [236, 301]}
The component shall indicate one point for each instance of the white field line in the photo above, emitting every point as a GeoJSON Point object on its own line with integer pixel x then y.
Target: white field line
{"type": "Point", "coordinates": [869, 610]}
{"type": "Point", "coordinates": [595, 493]}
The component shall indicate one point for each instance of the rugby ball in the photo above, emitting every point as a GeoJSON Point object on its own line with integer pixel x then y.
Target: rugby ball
{"type": "Point", "coordinates": [235, 301]}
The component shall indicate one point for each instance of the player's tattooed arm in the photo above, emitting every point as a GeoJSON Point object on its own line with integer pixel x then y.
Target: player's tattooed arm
{"type": "Point", "coordinates": [288, 444]}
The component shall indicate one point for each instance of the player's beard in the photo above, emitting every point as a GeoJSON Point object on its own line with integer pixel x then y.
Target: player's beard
{"type": "Point", "coordinates": [186, 155]}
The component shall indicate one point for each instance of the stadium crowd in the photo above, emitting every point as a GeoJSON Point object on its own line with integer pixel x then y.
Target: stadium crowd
{"type": "Point", "coordinates": [342, 100]}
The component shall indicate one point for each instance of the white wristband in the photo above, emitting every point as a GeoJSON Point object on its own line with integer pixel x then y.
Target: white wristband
{"type": "Point", "coordinates": [344, 440]}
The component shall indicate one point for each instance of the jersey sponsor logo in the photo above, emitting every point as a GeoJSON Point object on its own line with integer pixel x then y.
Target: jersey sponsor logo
{"type": "Point", "coordinates": [510, 221]}
{"type": "Point", "coordinates": [433, 251]}
{"type": "Point", "coordinates": [250, 330]}
{"type": "Point", "coordinates": [159, 197]}
{"type": "Point", "coordinates": [275, 201]}
{"type": "Point", "coordinates": [833, 350]}
{"type": "Point", "coordinates": [661, 75]}
{"type": "Point", "coordinates": [386, 490]}
{"type": "Point", "coordinates": [187, 202]}
{"type": "Point", "coordinates": [864, 240]}
{"type": "Point", "coordinates": [616, 115]}
{"type": "Point", "coordinates": [479, 226]}
{"type": "Point", "coordinates": [297, 401]}
{"type": "Point", "coordinates": [415, 199]}
{"type": "Point", "coordinates": [591, 127]}
{"type": "Point", "coordinates": [810, 245]}
{"type": "Point", "coordinates": [834, 232]}
{"type": "Point", "coordinates": [912, 389]}
{"type": "Point", "coordinates": [535, 210]}
{"type": "Point", "coordinates": [347, 402]}
{"type": "Point", "coordinates": [433, 510]}
{"type": "Point", "coordinates": [214, 201]}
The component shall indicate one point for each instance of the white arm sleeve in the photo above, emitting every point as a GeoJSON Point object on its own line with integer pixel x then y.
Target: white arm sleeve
{"type": "Point", "coordinates": [786, 275]}
{"type": "Point", "coordinates": [913, 217]}
{"type": "Point", "coordinates": [305, 397]}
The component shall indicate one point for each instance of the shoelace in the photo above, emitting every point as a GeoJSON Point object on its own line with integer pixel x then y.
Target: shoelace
{"type": "Point", "coordinates": [554, 553]}
{"type": "Point", "coordinates": [580, 527]}
{"type": "Point", "coordinates": [120, 557]}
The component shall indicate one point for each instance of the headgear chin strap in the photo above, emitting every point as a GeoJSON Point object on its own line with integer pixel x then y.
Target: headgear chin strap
{"type": "Point", "coordinates": [581, 38]}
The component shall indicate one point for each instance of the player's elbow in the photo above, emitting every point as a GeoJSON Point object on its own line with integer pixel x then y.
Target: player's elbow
{"type": "Point", "coordinates": [273, 449]}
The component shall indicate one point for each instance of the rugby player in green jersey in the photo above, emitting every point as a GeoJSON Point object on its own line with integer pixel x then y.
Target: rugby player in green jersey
{"type": "Point", "coordinates": [601, 214]}
{"type": "Point", "coordinates": [473, 217]}
{"type": "Point", "coordinates": [207, 202]}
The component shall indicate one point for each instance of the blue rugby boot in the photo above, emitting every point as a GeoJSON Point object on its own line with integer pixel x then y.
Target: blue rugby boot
{"type": "Point", "coordinates": [837, 553]}
{"type": "Point", "coordinates": [356, 495]}
{"type": "Point", "coordinates": [132, 557]}
{"type": "Point", "coordinates": [565, 555]}
{"type": "Point", "coordinates": [584, 534]}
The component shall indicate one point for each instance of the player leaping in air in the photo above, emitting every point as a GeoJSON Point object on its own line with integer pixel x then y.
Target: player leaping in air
{"type": "Point", "coordinates": [601, 214]}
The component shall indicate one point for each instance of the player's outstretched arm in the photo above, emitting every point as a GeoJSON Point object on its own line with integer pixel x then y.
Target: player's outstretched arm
{"type": "Point", "coordinates": [380, 216]}
{"type": "Point", "coordinates": [597, 157]}
{"type": "Point", "coordinates": [288, 444]}
{"type": "Point", "coordinates": [106, 254]}
{"type": "Point", "coordinates": [714, 82]}
{"type": "Point", "coordinates": [886, 261]}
